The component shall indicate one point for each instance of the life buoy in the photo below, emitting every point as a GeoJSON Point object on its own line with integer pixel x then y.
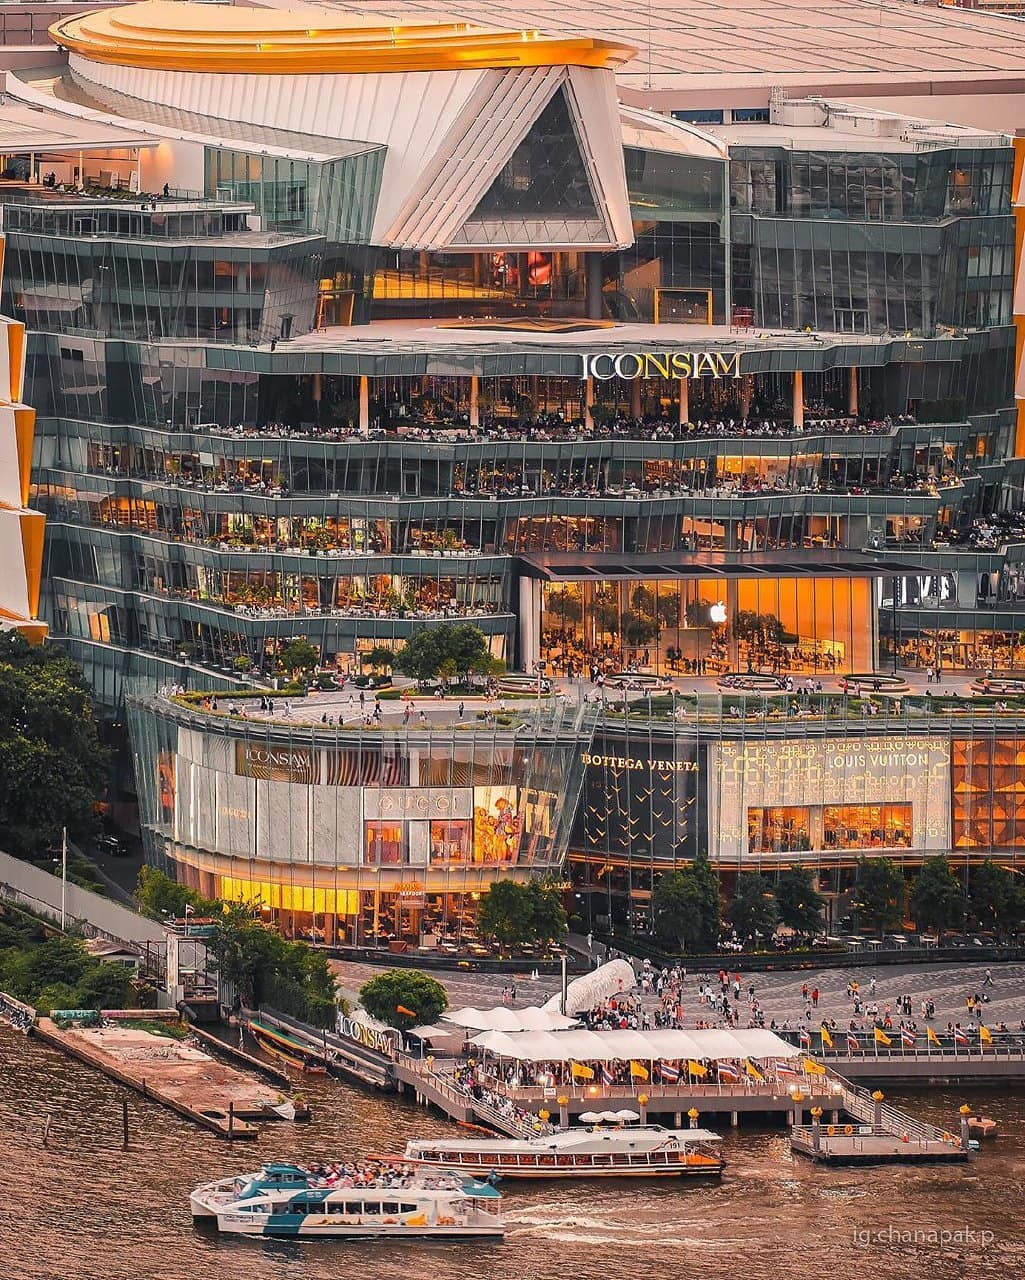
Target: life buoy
{"type": "Point", "coordinates": [848, 1129]}
{"type": "Point", "coordinates": [831, 1129]}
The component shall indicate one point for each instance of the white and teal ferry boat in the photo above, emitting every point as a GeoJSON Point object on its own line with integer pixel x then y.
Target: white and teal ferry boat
{"type": "Point", "coordinates": [290, 1201]}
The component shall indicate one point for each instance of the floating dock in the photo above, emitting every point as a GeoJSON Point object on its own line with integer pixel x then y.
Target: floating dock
{"type": "Point", "coordinates": [178, 1075]}
{"type": "Point", "coordinates": [866, 1145]}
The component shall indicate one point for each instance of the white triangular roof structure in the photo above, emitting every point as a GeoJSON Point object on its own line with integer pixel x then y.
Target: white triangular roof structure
{"type": "Point", "coordinates": [611, 979]}
{"type": "Point", "coordinates": [643, 1046]}
{"type": "Point", "coordinates": [504, 1019]}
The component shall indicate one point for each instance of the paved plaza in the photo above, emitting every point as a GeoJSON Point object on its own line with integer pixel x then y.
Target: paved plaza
{"type": "Point", "coordinates": [779, 994]}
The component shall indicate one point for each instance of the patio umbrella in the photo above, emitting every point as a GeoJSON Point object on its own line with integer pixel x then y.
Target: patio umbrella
{"type": "Point", "coordinates": [590, 1117]}
{"type": "Point", "coordinates": [609, 1117]}
{"type": "Point", "coordinates": [627, 1116]}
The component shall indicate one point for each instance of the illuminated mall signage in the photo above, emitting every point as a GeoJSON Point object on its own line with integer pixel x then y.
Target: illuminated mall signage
{"type": "Point", "coordinates": [662, 364]}
{"type": "Point", "coordinates": [369, 1037]}
{"type": "Point", "coordinates": [630, 762]}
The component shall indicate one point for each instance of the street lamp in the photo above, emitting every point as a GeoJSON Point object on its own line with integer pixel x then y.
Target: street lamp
{"type": "Point", "coordinates": [64, 876]}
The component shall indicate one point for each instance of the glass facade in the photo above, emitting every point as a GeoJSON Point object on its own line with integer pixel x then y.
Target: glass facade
{"type": "Point", "coordinates": [364, 837]}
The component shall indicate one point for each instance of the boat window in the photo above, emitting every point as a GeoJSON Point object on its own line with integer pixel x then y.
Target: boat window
{"type": "Point", "coordinates": [389, 1206]}
{"type": "Point", "coordinates": [408, 1208]}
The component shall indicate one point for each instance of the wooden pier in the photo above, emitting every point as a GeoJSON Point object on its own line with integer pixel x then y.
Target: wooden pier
{"type": "Point", "coordinates": [179, 1076]}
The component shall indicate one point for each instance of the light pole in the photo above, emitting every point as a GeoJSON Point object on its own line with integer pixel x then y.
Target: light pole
{"type": "Point", "coordinates": [64, 877]}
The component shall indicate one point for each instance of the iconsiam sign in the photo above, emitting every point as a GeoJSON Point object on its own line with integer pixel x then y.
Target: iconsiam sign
{"type": "Point", "coordinates": [630, 365]}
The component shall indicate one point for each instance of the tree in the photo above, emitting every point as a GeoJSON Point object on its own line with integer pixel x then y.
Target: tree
{"type": "Point", "coordinates": [685, 906]}
{"type": "Point", "coordinates": [565, 604]}
{"type": "Point", "coordinates": [637, 629]}
{"type": "Point", "coordinates": [506, 913]}
{"type": "Point", "coordinates": [799, 903]}
{"type": "Point", "coordinates": [995, 901]}
{"type": "Point", "coordinates": [548, 913]}
{"type": "Point", "coordinates": [879, 893]}
{"type": "Point", "coordinates": [298, 655]}
{"type": "Point", "coordinates": [107, 985]}
{"type": "Point", "coordinates": [404, 998]}
{"type": "Point", "coordinates": [52, 766]}
{"type": "Point", "coordinates": [158, 896]}
{"type": "Point", "coordinates": [265, 968]}
{"type": "Point", "coordinates": [380, 657]}
{"type": "Point", "coordinates": [431, 648]}
{"type": "Point", "coordinates": [422, 656]}
{"type": "Point", "coordinates": [938, 899]}
{"type": "Point", "coordinates": [59, 959]}
{"type": "Point", "coordinates": [752, 911]}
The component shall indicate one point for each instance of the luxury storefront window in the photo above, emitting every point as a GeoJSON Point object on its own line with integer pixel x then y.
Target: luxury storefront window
{"type": "Point", "coordinates": [688, 625]}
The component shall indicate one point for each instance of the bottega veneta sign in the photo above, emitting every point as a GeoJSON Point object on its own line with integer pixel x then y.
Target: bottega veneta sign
{"type": "Point", "coordinates": [661, 364]}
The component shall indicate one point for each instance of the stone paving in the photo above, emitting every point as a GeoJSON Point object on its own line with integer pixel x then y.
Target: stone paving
{"type": "Point", "coordinates": [779, 994]}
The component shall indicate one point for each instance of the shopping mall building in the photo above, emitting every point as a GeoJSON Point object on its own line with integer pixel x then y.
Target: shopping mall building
{"type": "Point", "coordinates": [339, 328]}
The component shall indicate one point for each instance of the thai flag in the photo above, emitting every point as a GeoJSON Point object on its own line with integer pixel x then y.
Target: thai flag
{"type": "Point", "coordinates": [667, 1073]}
{"type": "Point", "coordinates": [727, 1073]}
{"type": "Point", "coordinates": [853, 1043]}
{"type": "Point", "coordinates": [607, 1075]}
{"type": "Point", "coordinates": [805, 1039]}
{"type": "Point", "coordinates": [907, 1038]}
{"type": "Point", "coordinates": [960, 1037]}
{"type": "Point", "coordinates": [783, 1070]}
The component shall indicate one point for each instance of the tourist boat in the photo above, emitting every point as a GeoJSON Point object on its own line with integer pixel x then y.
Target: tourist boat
{"type": "Point", "coordinates": [287, 1200]}
{"type": "Point", "coordinates": [279, 1044]}
{"type": "Point", "coordinates": [637, 1151]}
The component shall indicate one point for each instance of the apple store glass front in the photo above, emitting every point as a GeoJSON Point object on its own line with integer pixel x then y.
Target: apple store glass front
{"type": "Point", "coordinates": [677, 626]}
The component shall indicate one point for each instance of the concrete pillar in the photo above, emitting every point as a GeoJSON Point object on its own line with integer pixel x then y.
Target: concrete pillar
{"type": "Point", "coordinates": [798, 400]}
{"type": "Point", "coordinates": [530, 622]}
{"type": "Point", "coordinates": [474, 401]}
{"type": "Point", "coordinates": [816, 1130]}
{"type": "Point", "coordinates": [735, 1119]}
{"type": "Point", "coordinates": [563, 1115]}
{"type": "Point", "coordinates": [852, 390]}
{"type": "Point", "coordinates": [318, 388]}
{"type": "Point", "coordinates": [636, 405]}
{"type": "Point", "coordinates": [364, 405]}
{"type": "Point", "coordinates": [684, 400]}
{"type": "Point", "coordinates": [594, 298]}
{"type": "Point", "coordinates": [677, 1119]}
{"type": "Point", "coordinates": [588, 401]}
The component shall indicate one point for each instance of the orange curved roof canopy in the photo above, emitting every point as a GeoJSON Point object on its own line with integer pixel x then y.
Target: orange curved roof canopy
{"type": "Point", "coordinates": [170, 35]}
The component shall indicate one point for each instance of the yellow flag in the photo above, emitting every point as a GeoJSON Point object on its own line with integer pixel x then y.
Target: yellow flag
{"type": "Point", "coordinates": [931, 1036]}
{"type": "Point", "coordinates": [984, 1035]}
{"type": "Point", "coordinates": [881, 1036]}
{"type": "Point", "coordinates": [827, 1039]}
{"type": "Point", "coordinates": [813, 1068]}
{"type": "Point", "coordinates": [753, 1071]}
{"type": "Point", "coordinates": [580, 1072]}
{"type": "Point", "coordinates": [695, 1068]}
{"type": "Point", "coordinates": [638, 1070]}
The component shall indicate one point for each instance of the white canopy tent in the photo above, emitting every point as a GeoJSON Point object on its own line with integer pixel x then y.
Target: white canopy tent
{"type": "Point", "coordinates": [502, 1019]}
{"type": "Point", "coordinates": [644, 1046]}
{"type": "Point", "coordinates": [585, 992]}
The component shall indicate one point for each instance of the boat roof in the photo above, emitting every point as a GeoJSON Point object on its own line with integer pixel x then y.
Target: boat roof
{"type": "Point", "coordinates": [563, 1140]}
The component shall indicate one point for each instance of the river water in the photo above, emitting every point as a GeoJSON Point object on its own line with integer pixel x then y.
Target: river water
{"type": "Point", "coordinates": [86, 1209]}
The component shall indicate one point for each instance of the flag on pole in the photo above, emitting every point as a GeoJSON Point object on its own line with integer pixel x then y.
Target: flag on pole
{"type": "Point", "coordinates": [853, 1043]}
{"type": "Point", "coordinates": [579, 1072]}
{"type": "Point", "coordinates": [638, 1070]}
{"type": "Point", "coordinates": [985, 1036]}
{"type": "Point", "coordinates": [668, 1073]}
{"type": "Point", "coordinates": [932, 1038]}
{"type": "Point", "coordinates": [960, 1037]}
{"type": "Point", "coordinates": [880, 1036]}
{"type": "Point", "coordinates": [696, 1068]}
{"type": "Point", "coordinates": [805, 1039]}
{"type": "Point", "coordinates": [813, 1068]}
{"type": "Point", "coordinates": [608, 1076]}
{"type": "Point", "coordinates": [727, 1073]}
{"type": "Point", "coordinates": [753, 1072]}
{"type": "Point", "coordinates": [907, 1037]}
{"type": "Point", "coordinates": [827, 1039]}
{"type": "Point", "coordinates": [783, 1069]}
